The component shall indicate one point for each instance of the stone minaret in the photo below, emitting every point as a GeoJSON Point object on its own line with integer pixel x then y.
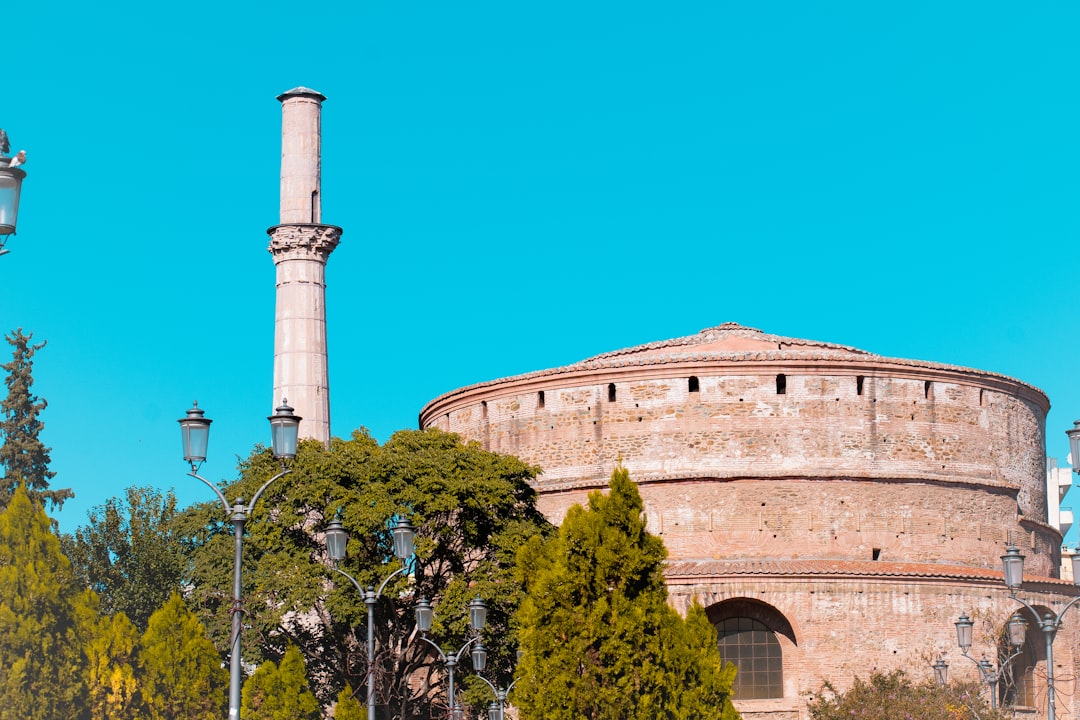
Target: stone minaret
{"type": "Point", "coordinates": [301, 245]}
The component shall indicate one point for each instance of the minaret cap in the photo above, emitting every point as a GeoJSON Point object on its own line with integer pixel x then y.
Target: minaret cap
{"type": "Point", "coordinates": [301, 92]}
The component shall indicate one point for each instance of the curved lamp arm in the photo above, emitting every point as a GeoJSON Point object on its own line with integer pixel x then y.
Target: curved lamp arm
{"type": "Point", "coordinates": [215, 488]}
{"type": "Point", "coordinates": [255, 499]}
{"type": "Point", "coordinates": [488, 683]}
{"type": "Point", "coordinates": [442, 655]}
{"type": "Point", "coordinates": [467, 644]}
{"type": "Point", "coordinates": [391, 576]}
{"type": "Point", "coordinates": [1057, 616]}
{"type": "Point", "coordinates": [349, 577]}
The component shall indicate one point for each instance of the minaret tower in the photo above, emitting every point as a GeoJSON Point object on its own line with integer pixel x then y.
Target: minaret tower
{"type": "Point", "coordinates": [301, 245]}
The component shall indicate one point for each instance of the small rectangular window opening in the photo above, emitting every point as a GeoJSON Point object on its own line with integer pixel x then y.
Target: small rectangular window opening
{"type": "Point", "coordinates": [877, 553]}
{"type": "Point", "coordinates": [692, 385]}
{"type": "Point", "coordinates": [781, 384]}
{"type": "Point", "coordinates": [611, 392]}
{"type": "Point", "coordinates": [540, 399]}
{"type": "Point", "coordinates": [859, 384]}
{"type": "Point", "coordinates": [981, 398]}
{"type": "Point", "coordinates": [927, 388]}
{"type": "Point", "coordinates": [483, 409]}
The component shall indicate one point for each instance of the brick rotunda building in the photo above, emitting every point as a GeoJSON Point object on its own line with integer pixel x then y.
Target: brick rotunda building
{"type": "Point", "coordinates": [834, 510]}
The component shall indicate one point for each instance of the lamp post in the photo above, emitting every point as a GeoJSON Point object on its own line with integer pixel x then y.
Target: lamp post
{"type": "Point", "coordinates": [497, 708]}
{"type": "Point", "coordinates": [195, 429]}
{"type": "Point", "coordinates": [11, 178]}
{"type": "Point", "coordinates": [1017, 633]}
{"type": "Point", "coordinates": [404, 545]}
{"type": "Point", "coordinates": [477, 621]}
{"type": "Point", "coordinates": [1013, 564]}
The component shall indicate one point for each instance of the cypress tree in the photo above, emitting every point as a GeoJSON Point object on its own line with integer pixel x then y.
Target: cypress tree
{"type": "Point", "coordinates": [24, 457]}
{"type": "Point", "coordinates": [109, 645]}
{"type": "Point", "coordinates": [280, 692]}
{"type": "Point", "coordinates": [600, 641]}
{"type": "Point", "coordinates": [180, 670]}
{"type": "Point", "coordinates": [348, 707]}
{"type": "Point", "coordinates": [40, 653]}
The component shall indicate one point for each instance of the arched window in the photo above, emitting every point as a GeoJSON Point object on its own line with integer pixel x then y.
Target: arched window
{"type": "Point", "coordinates": [749, 633]}
{"type": "Point", "coordinates": [754, 649]}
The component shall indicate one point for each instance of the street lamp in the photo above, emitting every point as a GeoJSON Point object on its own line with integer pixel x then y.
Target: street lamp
{"type": "Point", "coordinates": [941, 672]}
{"type": "Point", "coordinates": [11, 178]}
{"type": "Point", "coordinates": [1013, 564]}
{"type": "Point", "coordinates": [404, 545]}
{"type": "Point", "coordinates": [1016, 633]}
{"type": "Point", "coordinates": [477, 620]}
{"type": "Point", "coordinates": [195, 430]}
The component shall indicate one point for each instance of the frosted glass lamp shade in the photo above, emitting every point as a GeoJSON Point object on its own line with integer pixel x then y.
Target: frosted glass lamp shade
{"type": "Point", "coordinates": [195, 432]}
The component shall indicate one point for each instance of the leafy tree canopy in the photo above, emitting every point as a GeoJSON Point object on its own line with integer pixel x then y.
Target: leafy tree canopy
{"type": "Point", "coordinates": [599, 639]}
{"type": "Point", "coordinates": [895, 696]}
{"type": "Point", "coordinates": [130, 554]}
{"type": "Point", "coordinates": [23, 455]}
{"type": "Point", "coordinates": [472, 510]}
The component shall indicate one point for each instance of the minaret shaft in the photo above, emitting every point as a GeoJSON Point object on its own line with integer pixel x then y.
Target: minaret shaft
{"type": "Point", "coordinates": [300, 246]}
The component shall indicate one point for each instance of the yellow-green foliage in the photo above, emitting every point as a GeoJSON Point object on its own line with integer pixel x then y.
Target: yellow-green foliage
{"type": "Point", "coordinates": [348, 707]}
{"type": "Point", "coordinates": [109, 647]}
{"type": "Point", "coordinates": [181, 673]}
{"type": "Point", "coordinates": [280, 691]}
{"type": "Point", "coordinates": [599, 639]}
{"type": "Point", "coordinates": [40, 661]}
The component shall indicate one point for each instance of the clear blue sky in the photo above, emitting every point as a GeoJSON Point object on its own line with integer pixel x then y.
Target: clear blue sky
{"type": "Point", "coordinates": [523, 185]}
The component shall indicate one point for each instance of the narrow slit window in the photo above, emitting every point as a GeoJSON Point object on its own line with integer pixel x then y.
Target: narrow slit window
{"type": "Point", "coordinates": [483, 409]}
{"type": "Point", "coordinates": [611, 392]}
{"type": "Point", "coordinates": [540, 399]}
{"type": "Point", "coordinates": [692, 385]}
{"type": "Point", "coordinates": [928, 388]}
{"type": "Point", "coordinates": [781, 384]}
{"type": "Point", "coordinates": [859, 384]}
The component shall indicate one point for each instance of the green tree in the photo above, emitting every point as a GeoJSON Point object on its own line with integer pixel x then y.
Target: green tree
{"type": "Point", "coordinates": [280, 692]}
{"type": "Point", "coordinates": [599, 639]}
{"type": "Point", "coordinates": [472, 510]}
{"type": "Point", "coordinates": [895, 696]}
{"type": "Point", "coordinates": [40, 653]}
{"type": "Point", "coordinates": [22, 454]}
{"type": "Point", "coordinates": [109, 645]}
{"type": "Point", "coordinates": [180, 672]}
{"type": "Point", "coordinates": [348, 707]}
{"type": "Point", "coordinates": [129, 553]}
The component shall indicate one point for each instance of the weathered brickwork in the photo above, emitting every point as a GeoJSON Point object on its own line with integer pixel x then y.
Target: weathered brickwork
{"type": "Point", "coordinates": [772, 451]}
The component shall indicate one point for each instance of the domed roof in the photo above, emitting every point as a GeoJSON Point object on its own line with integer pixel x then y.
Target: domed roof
{"type": "Point", "coordinates": [728, 341]}
{"type": "Point", "coordinates": [730, 345]}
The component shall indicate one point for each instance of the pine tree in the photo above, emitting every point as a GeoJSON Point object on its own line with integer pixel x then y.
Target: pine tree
{"type": "Point", "coordinates": [23, 456]}
{"type": "Point", "coordinates": [40, 653]}
{"type": "Point", "coordinates": [180, 672]}
{"type": "Point", "coordinates": [600, 641]}
{"type": "Point", "coordinates": [279, 692]}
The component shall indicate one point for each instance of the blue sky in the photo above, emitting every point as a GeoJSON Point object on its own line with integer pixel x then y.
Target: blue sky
{"type": "Point", "coordinates": [522, 186]}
